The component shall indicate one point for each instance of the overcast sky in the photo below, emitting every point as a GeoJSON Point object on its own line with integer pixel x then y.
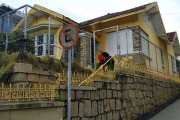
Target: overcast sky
{"type": "Point", "coordinates": [81, 10]}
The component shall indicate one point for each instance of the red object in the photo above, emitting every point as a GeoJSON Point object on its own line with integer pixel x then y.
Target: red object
{"type": "Point", "coordinates": [72, 39]}
{"type": "Point", "coordinates": [101, 58]}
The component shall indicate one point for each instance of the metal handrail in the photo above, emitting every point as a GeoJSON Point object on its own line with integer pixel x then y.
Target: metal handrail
{"type": "Point", "coordinates": [96, 70]}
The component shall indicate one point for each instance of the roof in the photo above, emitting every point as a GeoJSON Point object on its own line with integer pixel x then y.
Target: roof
{"type": "Point", "coordinates": [110, 15]}
{"type": "Point", "coordinates": [171, 36]}
{"type": "Point", "coordinates": [44, 11]}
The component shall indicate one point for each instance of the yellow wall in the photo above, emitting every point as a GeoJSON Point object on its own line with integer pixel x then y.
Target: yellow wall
{"type": "Point", "coordinates": [135, 20]}
{"type": "Point", "coordinates": [44, 20]}
{"type": "Point", "coordinates": [159, 43]}
{"type": "Point", "coordinates": [101, 36]}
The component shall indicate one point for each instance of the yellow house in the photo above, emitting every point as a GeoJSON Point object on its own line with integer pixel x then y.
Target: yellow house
{"type": "Point", "coordinates": [138, 34]}
{"type": "Point", "coordinates": [42, 23]}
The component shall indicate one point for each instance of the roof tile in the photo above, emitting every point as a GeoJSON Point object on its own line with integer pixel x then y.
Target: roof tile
{"type": "Point", "coordinates": [110, 15]}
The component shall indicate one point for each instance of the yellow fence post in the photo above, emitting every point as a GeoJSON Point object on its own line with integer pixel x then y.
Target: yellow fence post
{"type": "Point", "coordinates": [2, 88]}
{"type": "Point", "coordinates": [10, 94]}
{"type": "Point", "coordinates": [17, 91]}
{"type": "Point", "coordinates": [23, 92]}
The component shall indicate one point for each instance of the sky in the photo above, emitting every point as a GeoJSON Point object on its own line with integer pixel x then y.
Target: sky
{"type": "Point", "coordinates": [82, 10]}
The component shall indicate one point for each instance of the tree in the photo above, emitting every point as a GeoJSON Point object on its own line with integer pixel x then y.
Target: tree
{"type": "Point", "coordinates": [15, 40]}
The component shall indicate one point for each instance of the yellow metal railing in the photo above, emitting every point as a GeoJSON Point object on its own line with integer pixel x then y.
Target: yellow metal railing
{"type": "Point", "coordinates": [130, 65]}
{"type": "Point", "coordinates": [35, 92]}
{"type": "Point", "coordinates": [76, 78]}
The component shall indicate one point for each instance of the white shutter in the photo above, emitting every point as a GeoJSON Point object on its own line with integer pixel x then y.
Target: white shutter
{"type": "Point", "coordinates": [145, 47]}
{"type": "Point", "coordinates": [126, 42]}
{"type": "Point", "coordinates": [111, 43]}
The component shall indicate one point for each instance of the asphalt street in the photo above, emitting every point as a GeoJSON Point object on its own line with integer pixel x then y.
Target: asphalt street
{"type": "Point", "coordinates": [172, 112]}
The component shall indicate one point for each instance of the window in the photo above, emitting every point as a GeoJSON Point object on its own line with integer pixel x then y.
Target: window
{"type": "Point", "coordinates": [41, 44]}
{"type": "Point", "coordinates": [173, 64]}
{"type": "Point", "coordinates": [145, 44]}
{"type": "Point", "coordinates": [162, 57]}
{"type": "Point", "coordinates": [51, 44]}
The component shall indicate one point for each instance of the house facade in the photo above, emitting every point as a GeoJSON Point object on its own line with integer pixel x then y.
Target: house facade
{"type": "Point", "coordinates": [44, 26]}
{"type": "Point", "coordinates": [138, 34]}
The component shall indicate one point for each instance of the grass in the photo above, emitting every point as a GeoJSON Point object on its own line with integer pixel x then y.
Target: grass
{"type": "Point", "coordinates": [47, 63]}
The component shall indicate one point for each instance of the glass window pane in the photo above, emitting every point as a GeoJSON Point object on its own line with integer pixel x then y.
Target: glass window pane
{"type": "Point", "coordinates": [51, 49]}
{"type": "Point", "coordinates": [40, 40]}
{"type": "Point", "coordinates": [52, 39]}
{"type": "Point", "coordinates": [40, 50]}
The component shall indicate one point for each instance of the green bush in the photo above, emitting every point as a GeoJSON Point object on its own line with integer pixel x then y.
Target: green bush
{"type": "Point", "coordinates": [39, 64]}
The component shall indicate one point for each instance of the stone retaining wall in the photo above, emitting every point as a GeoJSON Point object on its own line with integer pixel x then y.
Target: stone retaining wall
{"type": "Point", "coordinates": [127, 98]}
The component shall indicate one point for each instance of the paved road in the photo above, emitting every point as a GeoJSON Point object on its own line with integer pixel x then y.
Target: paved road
{"type": "Point", "coordinates": [172, 112]}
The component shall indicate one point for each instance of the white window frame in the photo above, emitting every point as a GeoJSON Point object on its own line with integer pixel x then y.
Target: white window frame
{"type": "Point", "coordinates": [162, 57]}
{"type": "Point", "coordinates": [173, 64]}
{"type": "Point", "coordinates": [44, 44]}
{"type": "Point", "coordinates": [144, 43]}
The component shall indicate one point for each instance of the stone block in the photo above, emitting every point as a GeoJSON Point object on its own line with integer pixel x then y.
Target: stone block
{"type": "Point", "coordinates": [63, 95]}
{"type": "Point", "coordinates": [104, 117]}
{"type": "Point", "coordinates": [130, 80]}
{"type": "Point", "coordinates": [100, 107]}
{"type": "Point", "coordinates": [74, 108]}
{"type": "Point", "coordinates": [118, 104]}
{"type": "Point", "coordinates": [87, 108]}
{"type": "Point", "coordinates": [115, 115]}
{"type": "Point", "coordinates": [101, 94]}
{"type": "Point", "coordinates": [85, 119]}
{"type": "Point", "coordinates": [118, 86]}
{"type": "Point", "coordinates": [109, 93]}
{"type": "Point", "coordinates": [134, 103]}
{"type": "Point", "coordinates": [34, 78]}
{"type": "Point", "coordinates": [19, 77]}
{"type": "Point", "coordinates": [119, 94]}
{"type": "Point", "coordinates": [128, 117]}
{"type": "Point", "coordinates": [94, 108]}
{"type": "Point", "coordinates": [109, 115]}
{"type": "Point", "coordinates": [113, 86]}
{"type": "Point", "coordinates": [129, 111]}
{"type": "Point", "coordinates": [79, 94]}
{"type": "Point", "coordinates": [104, 94]}
{"type": "Point", "coordinates": [122, 113]}
{"type": "Point", "coordinates": [115, 94]}
{"type": "Point", "coordinates": [106, 105]}
{"type": "Point", "coordinates": [43, 78]}
{"type": "Point", "coordinates": [132, 94]}
{"type": "Point", "coordinates": [75, 118]}
{"type": "Point", "coordinates": [87, 95]}
{"type": "Point", "coordinates": [99, 117]}
{"type": "Point", "coordinates": [125, 94]}
{"type": "Point", "coordinates": [22, 67]}
{"type": "Point", "coordinates": [81, 109]}
{"type": "Point", "coordinates": [124, 103]}
{"type": "Point", "coordinates": [112, 104]}
{"type": "Point", "coordinates": [73, 96]}
{"type": "Point", "coordinates": [94, 95]}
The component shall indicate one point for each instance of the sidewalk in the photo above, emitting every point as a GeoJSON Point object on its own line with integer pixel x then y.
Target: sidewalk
{"type": "Point", "coordinates": [172, 112]}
